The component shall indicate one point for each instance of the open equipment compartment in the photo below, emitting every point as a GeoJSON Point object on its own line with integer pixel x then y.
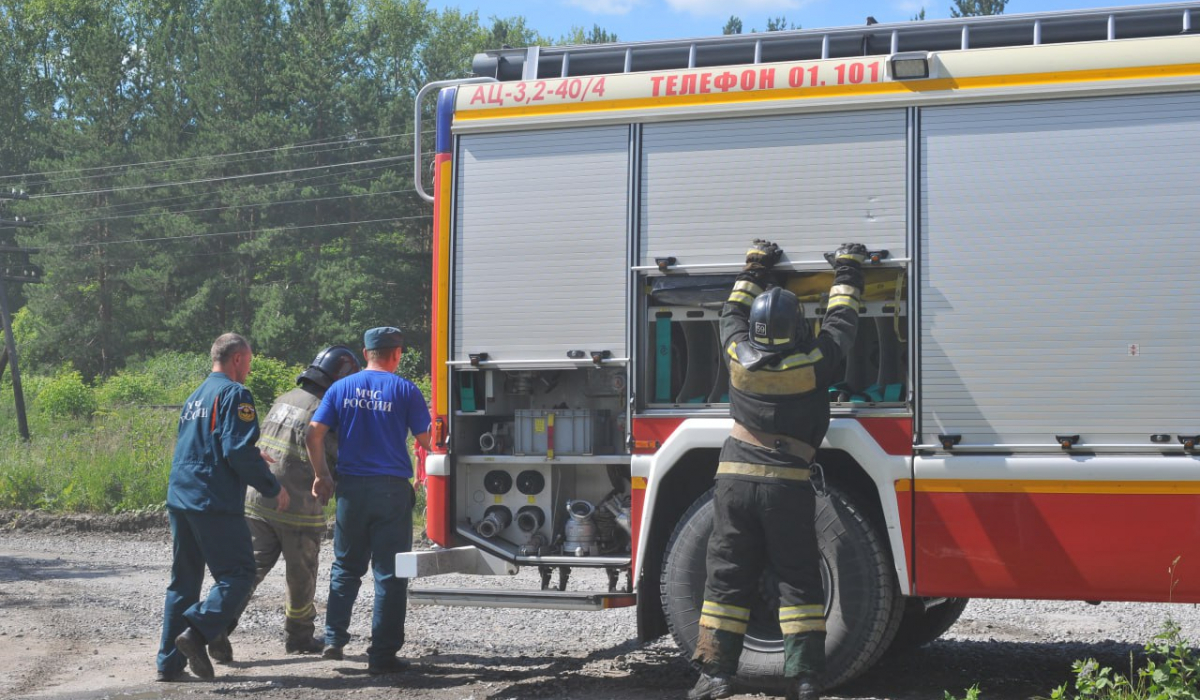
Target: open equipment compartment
{"type": "Point", "coordinates": [684, 368]}
{"type": "Point", "coordinates": [543, 474]}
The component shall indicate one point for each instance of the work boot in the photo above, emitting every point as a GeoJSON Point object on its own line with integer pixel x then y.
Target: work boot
{"type": "Point", "coordinates": [711, 687]}
{"type": "Point", "coordinates": [220, 650]}
{"type": "Point", "coordinates": [389, 665]}
{"type": "Point", "coordinates": [333, 653]}
{"type": "Point", "coordinates": [805, 688]}
{"type": "Point", "coordinates": [303, 645]}
{"type": "Point", "coordinates": [191, 645]}
{"type": "Point", "coordinates": [175, 676]}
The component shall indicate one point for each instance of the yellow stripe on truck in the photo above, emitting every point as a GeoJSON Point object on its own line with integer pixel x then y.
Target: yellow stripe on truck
{"type": "Point", "coordinates": [1145, 488]}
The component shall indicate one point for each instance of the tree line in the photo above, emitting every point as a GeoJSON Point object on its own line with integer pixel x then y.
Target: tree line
{"type": "Point", "coordinates": [200, 166]}
{"type": "Point", "coordinates": [197, 166]}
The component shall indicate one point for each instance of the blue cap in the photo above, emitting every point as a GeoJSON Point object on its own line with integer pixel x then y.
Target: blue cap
{"type": "Point", "coordinates": [382, 338]}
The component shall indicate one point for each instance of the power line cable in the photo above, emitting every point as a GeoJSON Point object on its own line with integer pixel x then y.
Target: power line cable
{"type": "Point", "coordinates": [150, 203]}
{"type": "Point", "coordinates": [156, 205]}
{"type": "Point", "coordinates": [126, 259]}
{"type": "Point", "coordinates": [130, 188]}
{"type": "Point", "coordinates": [337, 141]}
{"type": "Point", "coordinates": [332, 148]}
{"type": "Point", "coordinates": [215, 164]}
{"type": "Point", "coordinates": [98, 244]}
{"type": "Point", "coordinates": [379, 162]}
{"type": "Point", "coordinates": [125, 209]}
{"type": "Point", "coordinates": [231, 206]}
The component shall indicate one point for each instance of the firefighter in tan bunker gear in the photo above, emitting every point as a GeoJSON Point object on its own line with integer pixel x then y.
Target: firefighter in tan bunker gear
{"type": "Point", "coordinates": [764, 500]}
{"type": "Point", "coordinates": [296, 532]}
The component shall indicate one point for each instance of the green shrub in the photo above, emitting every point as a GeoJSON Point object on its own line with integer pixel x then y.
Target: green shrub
{"type": "Point", "coordinates": [177, 373]}
{"type": "Point", "coordinates": [20, 486]}
{"type": "Point", "coordinates": [269, 378]}
{"type": "Point", "coordinates": [1172, 671]}
{"type": "Point", "coordinates": [412, 364]}
{"type": "Point", "coordinates": [971, 693]}
{"type": "Point", "coordinates": [414, 368]}
{"type": "Point", "coordinates": [31, 386]}
{"type": "Point", "coordinates": [67, 395]}
{"type": "Point", "coordinates": [130, 388]}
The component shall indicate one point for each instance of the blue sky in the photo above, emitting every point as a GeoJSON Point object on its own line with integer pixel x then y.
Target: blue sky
{"type": "Point", "coordinates": [639, 20]}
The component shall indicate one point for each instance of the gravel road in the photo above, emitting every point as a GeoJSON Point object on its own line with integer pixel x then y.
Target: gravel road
{"type": "Point", "coordinates": [80, 616]}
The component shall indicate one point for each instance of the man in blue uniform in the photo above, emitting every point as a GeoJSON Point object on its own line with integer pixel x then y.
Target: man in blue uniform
{"type": "Point", "coordinates": [764, 500]}
{"type": "Point", "coordinates": [216, 457]}
{"type": "Point", "coordinates": [373, 413]}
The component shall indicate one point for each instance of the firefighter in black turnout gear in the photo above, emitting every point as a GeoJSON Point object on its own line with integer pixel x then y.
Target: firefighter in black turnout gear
{"type": "Point", "coordinates": [764, 500]}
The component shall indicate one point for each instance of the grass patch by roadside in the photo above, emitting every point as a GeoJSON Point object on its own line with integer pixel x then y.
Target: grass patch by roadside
{"type": "Point", "coordinates": [112, 463]}
{"type": "Point", "coordinates": [1171, 671]}
{"type": "Point", "coordinates": [106, 447]}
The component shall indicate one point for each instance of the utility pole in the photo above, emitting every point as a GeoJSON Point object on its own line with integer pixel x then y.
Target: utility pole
{"type": "Point", "coordinates": [26, 273]}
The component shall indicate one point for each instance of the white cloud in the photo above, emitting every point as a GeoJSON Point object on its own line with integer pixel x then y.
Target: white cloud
{"type": "Point", "coordinates": [910, 6]}
{"type": "Point", "coordinates": [605, 7]}
{"type": "Point", "coordinates": [721, 8]}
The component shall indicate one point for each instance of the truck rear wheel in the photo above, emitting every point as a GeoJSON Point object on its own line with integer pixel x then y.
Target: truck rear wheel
{"type": "Point", "coordinates": [925, 620]}
{"type": "Point", "coordinates": [863, 605]}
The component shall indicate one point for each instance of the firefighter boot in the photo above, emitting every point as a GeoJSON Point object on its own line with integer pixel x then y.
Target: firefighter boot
{"type": "Point", "coordinates": [803, 664]}
{"type": "Point", "coordinates": [220, 650]}
{"type": "Point", "coordinates": [303, 645]}
{"type": "Point", "coordinates": [711, 687]}
{"type": "Point", "coordinates": [717, 653]}
{"type": "Point", "coordinates": [805, 688]}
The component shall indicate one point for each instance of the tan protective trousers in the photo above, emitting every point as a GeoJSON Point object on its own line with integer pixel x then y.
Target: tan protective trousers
{"type": "Point", "coordinates": [300, 548]}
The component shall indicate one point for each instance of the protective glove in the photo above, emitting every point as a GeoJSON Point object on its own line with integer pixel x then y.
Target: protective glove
{"type": "Point", "coordinates": [852, 254]}
{"type": "Point", "coordinates": [762, 255]}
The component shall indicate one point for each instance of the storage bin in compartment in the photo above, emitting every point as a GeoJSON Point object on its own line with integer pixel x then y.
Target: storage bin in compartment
{"type": "Point", "coordinates": [574, 431]}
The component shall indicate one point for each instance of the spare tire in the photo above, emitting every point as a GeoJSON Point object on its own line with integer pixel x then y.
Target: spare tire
{"type": "Point", "coordinates": [863, 605]}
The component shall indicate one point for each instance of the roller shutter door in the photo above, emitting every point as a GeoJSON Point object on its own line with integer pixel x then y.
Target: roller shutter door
{"type": "Point", "coordinates": [540, 253]}
{"type": "Point", "coordinates": [1058, 289]}
{"type": "Point", "coordinates": [808, 182]}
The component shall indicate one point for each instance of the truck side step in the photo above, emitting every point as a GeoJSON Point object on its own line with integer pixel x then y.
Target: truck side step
{"type": "Point", "coordinates": [539, 600]}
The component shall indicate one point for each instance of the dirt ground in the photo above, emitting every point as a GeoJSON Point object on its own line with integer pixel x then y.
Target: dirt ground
{"type": "Point", "coordinates": [81, 609]}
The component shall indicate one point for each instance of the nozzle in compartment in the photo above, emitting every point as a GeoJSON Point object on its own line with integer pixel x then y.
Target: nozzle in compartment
{"type": "Point", "coordinates": [580, 530]}
{"type": "Point", "coordinates": [530, 518]}
{"type": "Point", "coordinates": [495, 520]}
{"type": "Point", "coordinates": [498, 440]}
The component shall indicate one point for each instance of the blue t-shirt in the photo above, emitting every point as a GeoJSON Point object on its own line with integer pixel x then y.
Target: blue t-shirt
{"type": "Point", "coordinates": [373, 412]}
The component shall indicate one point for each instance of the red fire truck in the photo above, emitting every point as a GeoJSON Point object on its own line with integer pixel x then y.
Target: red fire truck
{"type": "Point", "coordinates": [1019, 416]}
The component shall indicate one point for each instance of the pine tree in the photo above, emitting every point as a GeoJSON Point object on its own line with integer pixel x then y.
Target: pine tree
{"type": "Point", "coordinates": [779, 24]}
{"type": "Point", "coordinates": [977, 8]}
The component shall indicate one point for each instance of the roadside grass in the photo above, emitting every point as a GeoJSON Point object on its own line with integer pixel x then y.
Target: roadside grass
{"type": "Point", "coordinates": [106, 448]}
{"type": "Point", "coordinates": [1171, 671]}
{"type": "Point", "coordinates": [109, 463]}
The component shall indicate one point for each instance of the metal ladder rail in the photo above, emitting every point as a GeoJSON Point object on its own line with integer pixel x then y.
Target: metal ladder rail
{"type": "Point", "coordinates": [998, 30]}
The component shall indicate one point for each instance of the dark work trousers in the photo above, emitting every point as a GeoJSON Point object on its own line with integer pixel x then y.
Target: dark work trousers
{"type": "Point", "coordinates": [222, 542]}
{"type": "Point", "coordinates": [758, 525]}
{"type": "Point", "coordinates": [374, 523]}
